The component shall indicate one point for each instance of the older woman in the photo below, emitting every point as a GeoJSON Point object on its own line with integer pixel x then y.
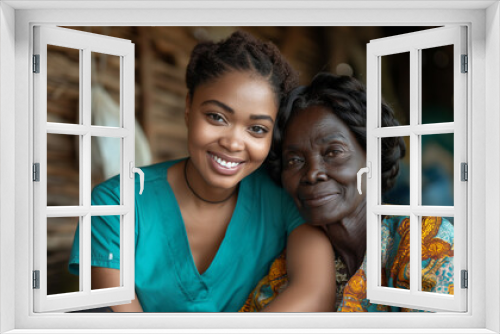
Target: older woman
{"type": "Point", "coordinates": [318, 149]}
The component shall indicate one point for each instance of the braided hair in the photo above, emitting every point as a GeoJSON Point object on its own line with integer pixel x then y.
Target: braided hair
{"type": "Point", "coordinates": [346, 98]}
{"type": "Point", "coordinates": [240, 52]}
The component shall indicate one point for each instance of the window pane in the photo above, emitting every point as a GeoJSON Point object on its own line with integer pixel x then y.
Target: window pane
{"type": "Point", "coordinates": [63, 170]}
{"type": "Point", "coordinates": [437, 84]}
{"type": "Point", "coordinates": [63, 85]}
{"type": "Point", "coordinates": [60, 234]}
{"type": "Point", "coordinates": [437, 255]}
{"type": "Point", "coordinates": [105, 89]}
{"type": "Point", "coordinates": [395, 184]}
{"type": "Point", "coordinates": [106, 161]}
{"type": "Point", "coordinates": [396, 85]}
{"type": "Point", "coordinates": [437, 169]}
{"type": "Point", "coordinates": [105, 251]}
{"type": "Point", "coordinates": [395, 252]}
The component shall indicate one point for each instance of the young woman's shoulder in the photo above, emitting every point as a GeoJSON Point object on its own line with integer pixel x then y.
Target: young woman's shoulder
{"type": "Point", "coordinates": [157, 171]}
{"type": "Point", "coordinates": [152, 173]}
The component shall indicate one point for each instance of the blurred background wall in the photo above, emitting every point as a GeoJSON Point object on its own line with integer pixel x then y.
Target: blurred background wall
{"type": "Point", "coordinates": [161, 57]}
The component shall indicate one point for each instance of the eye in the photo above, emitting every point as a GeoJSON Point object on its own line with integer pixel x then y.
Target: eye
{"type": "Point", "coordinates": [258, 129]}
{"type": "Point", "coordinates": [334, 153]}
{"type": "Point", "coordinates": [292, 162]}
{"type": "Point", "coordinates": [216, 118]}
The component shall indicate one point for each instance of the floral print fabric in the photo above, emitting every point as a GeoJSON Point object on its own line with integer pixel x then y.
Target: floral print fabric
{"type": "Point", "coordinates": [437, 268]}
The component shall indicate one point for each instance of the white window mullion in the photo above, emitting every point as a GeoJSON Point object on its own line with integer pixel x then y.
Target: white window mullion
{"type": "Point", "coordinates": [373, 199]}
{"type": "Point", "coordinates": [422, 129]}
{"type": "Point", "coordinates": [405, 210]}
{"type": "Point", "coordinates": [415, 107]}
{"type": "Point", "coordinates": [433, 129]}
{"type": "Point", "coordinates": [81, 130]}
{"type": "Point", "coordinates": [127, 221]}
{"type": "Point", "coordinates": [94, 210]}
{"type": "Point", "coordinates": [85, 253]}
{"type": "Point", "coordinates": [85, 170]}
{"type": "Point", "coordinates": [398, 131]}
{"type": "Point", "coordinates": [392, 210]}
{"type": "Point", "coordinates": [85, 189]}
{"type": "Point", "coordinates": [81, 152]}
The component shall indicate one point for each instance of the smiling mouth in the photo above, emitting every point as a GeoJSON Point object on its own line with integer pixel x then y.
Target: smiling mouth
{"type": "Point", "coordinates": [223, 163]}
{"type": "Point", "coordinates": [320, 200]}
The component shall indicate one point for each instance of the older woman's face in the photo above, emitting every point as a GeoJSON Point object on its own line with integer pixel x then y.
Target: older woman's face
{"type": "Point", "coordinates": [321, 158]}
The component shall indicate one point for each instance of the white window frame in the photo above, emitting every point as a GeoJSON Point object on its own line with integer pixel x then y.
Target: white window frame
{"type": "Point", "coordinates": [413, 44]}
{"type": "Point", "coordinates": [85, 43]}
{"type": "Point", "coordinates": [16, 21]}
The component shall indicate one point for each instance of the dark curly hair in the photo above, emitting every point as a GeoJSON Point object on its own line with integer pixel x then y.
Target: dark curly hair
{"type": "Point", "coordinates": [346, 97]}
{"type": "Point", "coordinates": [240, 52]}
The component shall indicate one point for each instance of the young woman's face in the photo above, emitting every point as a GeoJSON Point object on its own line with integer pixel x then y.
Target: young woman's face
{"type": "Point", "coordinates": [230, 123]}
{"type": "Point", "coordinates": [321, 158]}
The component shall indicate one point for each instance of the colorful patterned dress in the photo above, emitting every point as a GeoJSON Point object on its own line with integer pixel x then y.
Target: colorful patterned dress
{"type": "Point", "coordinates": [437, 268]}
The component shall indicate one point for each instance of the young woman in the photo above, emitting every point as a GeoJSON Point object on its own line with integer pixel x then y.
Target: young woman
{"type": "Point", "coordinates": [320, 144]}
{"type": "Point", "coordinates": [209, 226]}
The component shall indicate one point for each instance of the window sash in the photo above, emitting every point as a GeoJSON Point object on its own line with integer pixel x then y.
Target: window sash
{"type": "Point", "coordinates": [413, 43]}
{"type": "Point", "coordinates": [86, 43]}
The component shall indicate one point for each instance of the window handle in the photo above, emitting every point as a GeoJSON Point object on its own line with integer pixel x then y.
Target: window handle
{"type": "Point", "coordinates": [368, 171]}
{"type": "Point", "coordinates": [133, 170]}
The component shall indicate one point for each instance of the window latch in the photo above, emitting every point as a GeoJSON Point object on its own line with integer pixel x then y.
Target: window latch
{"type": "Point", "coordinates": [133, 170]}
{"type": "Point", "coordinates": [368, 171]}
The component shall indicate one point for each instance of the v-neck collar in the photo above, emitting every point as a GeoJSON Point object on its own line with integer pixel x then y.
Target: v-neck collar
{"type": "Point", "coordinates": [191, 282]}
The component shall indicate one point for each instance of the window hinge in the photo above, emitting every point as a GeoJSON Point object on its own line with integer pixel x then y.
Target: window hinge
{"type": "Point", "coordinates": [36, 63]}
{"type": "Point", "coordinates": [465, 64]}
{"type": "Point", "coordinates": [465, 279]}
{"type": "Point", "coordinates": [36, 172]}
{"type": "Point", "coordinates": [36, 279]}
{"type": "Point", "coordinates": [464, 171]}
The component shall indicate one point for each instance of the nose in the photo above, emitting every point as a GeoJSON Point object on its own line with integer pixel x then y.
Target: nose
{"type": "Point", "coordinates": [232, 141]}
{"type": "Point", "coordinates": [315, 172]}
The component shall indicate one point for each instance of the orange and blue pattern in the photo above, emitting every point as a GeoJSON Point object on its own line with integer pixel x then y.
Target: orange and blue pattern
{"type": "Point", "coordinates": [437, 268]}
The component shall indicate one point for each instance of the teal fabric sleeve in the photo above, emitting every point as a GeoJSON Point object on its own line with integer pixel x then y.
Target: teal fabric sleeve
{"type": "Point", "coordinates": [105, 239]}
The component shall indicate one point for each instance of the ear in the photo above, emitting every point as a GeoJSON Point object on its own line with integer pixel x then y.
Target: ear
{"type": "Point", "coordinates": [188, 107]}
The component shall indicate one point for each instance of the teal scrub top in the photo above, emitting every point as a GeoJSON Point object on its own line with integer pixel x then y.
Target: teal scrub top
{"type": "Point", "coordinates": [166, 277]}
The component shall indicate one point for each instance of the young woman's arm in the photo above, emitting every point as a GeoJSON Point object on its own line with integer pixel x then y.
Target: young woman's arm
{"type": "Point", "coordinates": [108, 278]}
{"type": "Point", "coordinates": [311, 273]}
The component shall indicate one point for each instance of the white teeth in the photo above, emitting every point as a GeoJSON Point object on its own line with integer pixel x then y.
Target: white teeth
{"type": "Point", "coordinates": [224, 162]}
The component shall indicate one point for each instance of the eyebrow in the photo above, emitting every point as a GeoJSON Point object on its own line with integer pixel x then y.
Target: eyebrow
{"type": "Point", "coordinates": [219, 104]}
{"type": "Point", "coordinates": [231, 110]}
{"type": "Point", "coordinates": [257, 117]}
{"type": "Point", "coordinates": [333, 137]}
{"type": "Point", "coordinates": [324, 140]}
